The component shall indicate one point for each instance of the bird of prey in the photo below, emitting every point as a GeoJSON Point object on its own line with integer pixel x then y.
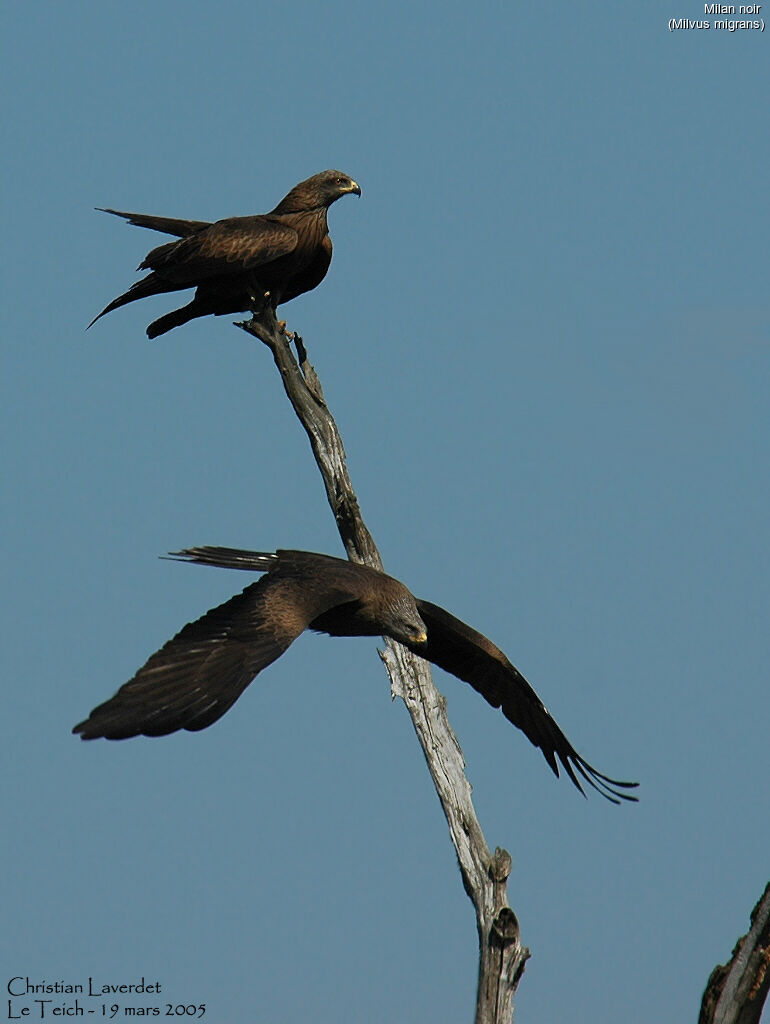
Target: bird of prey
{"type": "Point", "coordinates": [196, 677]}
{"type": "Point", "coordinates": [233, 263]}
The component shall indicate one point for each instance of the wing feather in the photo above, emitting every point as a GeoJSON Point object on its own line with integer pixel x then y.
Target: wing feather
{"type": "Point", "coordinates": [199, 674]}
{"type": "Point", "coordinates": [168, 225]}
{"type": "Point", "coordinates": [469, 655]}
{"type": "Point", "coordinates": [238, 243]}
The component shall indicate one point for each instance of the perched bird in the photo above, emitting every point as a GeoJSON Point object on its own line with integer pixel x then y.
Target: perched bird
{"type": "Point", "coordinates": [196, 677]}
{"type": "Point", "coordinates": [234, 262]}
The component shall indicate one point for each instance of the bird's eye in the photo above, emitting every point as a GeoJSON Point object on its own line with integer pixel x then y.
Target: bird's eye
{"type": "Point", "coordinates": [339, 181]}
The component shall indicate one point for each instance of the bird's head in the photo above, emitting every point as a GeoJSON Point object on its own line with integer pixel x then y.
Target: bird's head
{"type": "Point", "coordinates": [333, 185]}
{"type": "Point", "coordinates": [320, 191]}
{"type": "Point", "coordinates": [404, 621]}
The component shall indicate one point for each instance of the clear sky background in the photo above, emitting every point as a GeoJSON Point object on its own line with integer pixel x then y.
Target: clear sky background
{"type": "Point", "coordinates": [545, 339]}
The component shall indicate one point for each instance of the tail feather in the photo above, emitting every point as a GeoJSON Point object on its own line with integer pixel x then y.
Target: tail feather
{"type": "Point", "coordinates": [153, 284]}
{"type": "Point", "coordinates": [174, 319]}
{"type": "Point", "coordinates": [168, 225]}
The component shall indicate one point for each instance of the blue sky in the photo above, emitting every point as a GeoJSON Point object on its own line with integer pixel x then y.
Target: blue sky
{"type": "Point", "coordinates": [545, 339]}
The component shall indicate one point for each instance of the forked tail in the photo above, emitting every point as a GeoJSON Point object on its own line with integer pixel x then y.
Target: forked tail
{"type": "Point", "coordinates": [153, 284]}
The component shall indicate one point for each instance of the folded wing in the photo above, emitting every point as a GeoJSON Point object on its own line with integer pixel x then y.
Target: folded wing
{"type": "Point", "coordinates": [168, 225]}
{"type": "Point", "coordinates": [238, 244]}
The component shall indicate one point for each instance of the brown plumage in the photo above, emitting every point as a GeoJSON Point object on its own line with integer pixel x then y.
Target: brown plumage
{"type": "Point", "coordinates": [233, 262]}
{"type": "Point", "coordinates": [196, 677]}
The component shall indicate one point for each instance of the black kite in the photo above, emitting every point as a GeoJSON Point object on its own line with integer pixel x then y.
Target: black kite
{"type": "Point", "coordinates": [193, 680]}
{"type": "Point", "coordinates": [234, 262]}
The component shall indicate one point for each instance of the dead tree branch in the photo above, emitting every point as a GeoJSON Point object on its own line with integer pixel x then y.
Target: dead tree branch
{"type": "Point", "coordinates": [736, 991]}
{"type": "Point", "coordinates": [501, 955]}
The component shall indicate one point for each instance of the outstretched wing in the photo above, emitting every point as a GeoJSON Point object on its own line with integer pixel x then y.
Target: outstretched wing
{"type": "Point", "coordinates": [236, 244]}
{"type": "Point", "coordinates": [196, 677]}
{"type": "Point", "coordinates": [469, 655]}
{"type": "Point", "coordinates": [168, 225]}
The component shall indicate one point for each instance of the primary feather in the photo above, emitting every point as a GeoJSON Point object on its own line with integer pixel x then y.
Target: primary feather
{"type": "Point", "coordinates": [193, 680]}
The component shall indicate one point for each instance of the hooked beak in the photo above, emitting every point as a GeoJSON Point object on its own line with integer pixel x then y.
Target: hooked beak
{"type": "Point", "coordinates": [419, 638]}
{"type": "Point", "coordinates": [354, 187]}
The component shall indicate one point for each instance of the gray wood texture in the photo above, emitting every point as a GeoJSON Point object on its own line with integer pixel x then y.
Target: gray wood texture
{"type": "Point", "coordinates": [737, 990]}
{"type": "Point", "coordinates": [484, 874]}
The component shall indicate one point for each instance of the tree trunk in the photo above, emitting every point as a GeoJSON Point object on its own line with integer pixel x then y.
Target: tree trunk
{"type": "Point", "coordinates": [484, 875]}
{"type": "Point", "coordinates": [736, 991]}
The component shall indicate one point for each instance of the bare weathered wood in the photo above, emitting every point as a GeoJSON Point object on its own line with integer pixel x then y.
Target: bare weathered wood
{"type": "Point", "coordinates": [484, 875]}
{"type": "Point", "coordinates": [737, 990]}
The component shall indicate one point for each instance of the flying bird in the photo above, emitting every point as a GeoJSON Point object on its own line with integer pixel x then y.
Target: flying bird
{"type": "Point", "coordinates": [196, 677]}
{"type": "Point", "coordinates": [233, 263]}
